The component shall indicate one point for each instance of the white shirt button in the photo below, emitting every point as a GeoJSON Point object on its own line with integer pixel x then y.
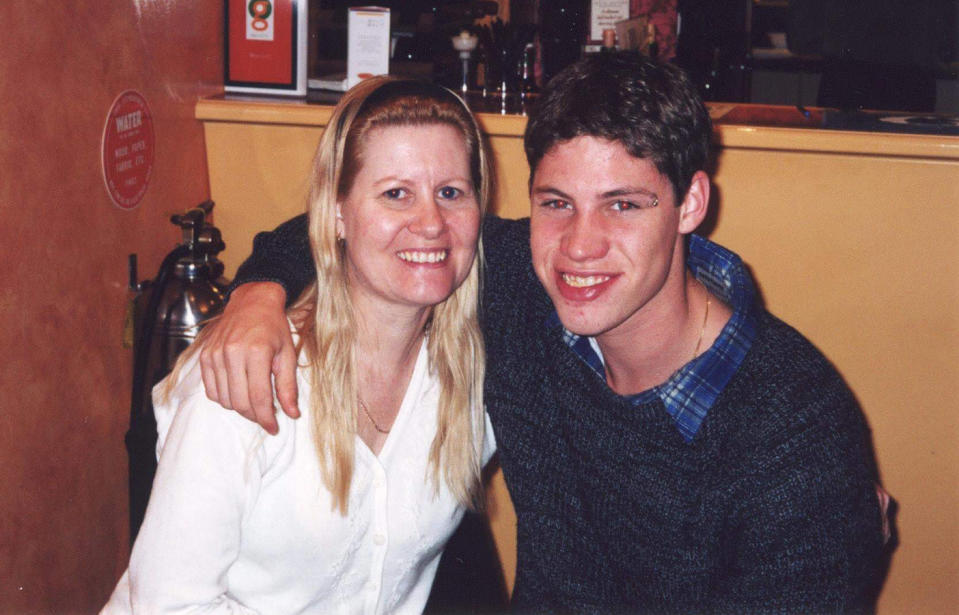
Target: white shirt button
{"type": "Point", "coordinates": [379, 539]}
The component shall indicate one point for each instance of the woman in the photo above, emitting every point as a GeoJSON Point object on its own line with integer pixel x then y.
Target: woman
{"type": "Point", "coordinates": [349, 509]}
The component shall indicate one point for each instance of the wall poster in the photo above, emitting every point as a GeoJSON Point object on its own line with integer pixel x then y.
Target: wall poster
{"type": "Point", "coordinates": [266, 46]}
{"type": "Point", "coordinates": [603, 15]}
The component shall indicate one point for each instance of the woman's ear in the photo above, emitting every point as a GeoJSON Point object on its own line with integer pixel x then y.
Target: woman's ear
{"type": "Point", "coordinates": [695, 205]}
{"type": "Point", "coordinates": [340, 227]}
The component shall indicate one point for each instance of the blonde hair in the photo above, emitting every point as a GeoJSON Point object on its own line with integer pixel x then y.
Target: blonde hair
{"type": "Point", "coordinates": [325, 320]}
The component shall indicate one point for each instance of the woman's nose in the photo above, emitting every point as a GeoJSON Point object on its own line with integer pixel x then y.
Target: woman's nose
{"type": "Point", "coordinates": [429, 220]}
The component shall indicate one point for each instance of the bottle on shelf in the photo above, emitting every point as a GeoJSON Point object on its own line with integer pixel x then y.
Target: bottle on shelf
{"type": "Point", "coordinates": [609, 41]}
{"type": "Point", "coordinates": [652, 47]}
{"type": "Point", "coordinates": [527, 77]}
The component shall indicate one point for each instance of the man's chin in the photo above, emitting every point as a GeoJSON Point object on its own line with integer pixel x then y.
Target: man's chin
{"type": "Point", "coordinates": [581, 328]}
{"type": "Point", "coordinates": [593, 323]}
{"type": "Point", "coordinates": [585, 319]}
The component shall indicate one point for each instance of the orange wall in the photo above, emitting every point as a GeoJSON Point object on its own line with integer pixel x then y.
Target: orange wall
{"type": "Point", "coordinates": [65, 378]}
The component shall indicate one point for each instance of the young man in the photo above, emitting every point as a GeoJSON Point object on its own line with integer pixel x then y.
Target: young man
{"type": "Point", "coordinates": [669, 445]}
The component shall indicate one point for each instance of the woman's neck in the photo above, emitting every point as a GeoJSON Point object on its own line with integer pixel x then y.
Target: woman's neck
{"type": "Point", "coordinates": [387, 347]}
{"type": "Point", "coordinates": [388, 341]}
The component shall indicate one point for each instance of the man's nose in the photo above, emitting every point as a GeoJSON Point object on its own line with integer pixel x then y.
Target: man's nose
{"type": "Point", "coordinates": [428, 220]}
{"type": "Point", "coordinates": [585, 238]}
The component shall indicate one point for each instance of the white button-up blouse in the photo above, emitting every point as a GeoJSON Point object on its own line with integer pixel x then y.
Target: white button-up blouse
{"type": "Point", "coordinates": [240, 521]}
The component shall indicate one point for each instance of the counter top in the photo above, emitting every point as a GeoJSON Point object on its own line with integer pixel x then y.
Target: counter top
{"type": "Point", "coordinates": [779, 127]}
{"type": "Point", "coordinates": [736, 125]}
{"type": "Point", "coordinates": [317, 112]}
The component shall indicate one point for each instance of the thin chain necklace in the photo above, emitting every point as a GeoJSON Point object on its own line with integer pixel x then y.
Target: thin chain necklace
{"type": "Point", "coordinates": [702, 331]}
{"type": "Point", "coordinates": [370, 416]}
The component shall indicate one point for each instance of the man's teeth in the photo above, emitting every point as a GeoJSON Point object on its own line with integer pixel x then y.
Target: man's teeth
{"type": "Point", "coordinates": [423, 257]}
{"type": "Point", "coordinates": [579, 281]}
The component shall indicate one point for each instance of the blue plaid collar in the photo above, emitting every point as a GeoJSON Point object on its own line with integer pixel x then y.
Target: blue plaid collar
{"type": "Point", "coordinates": [690, 392]}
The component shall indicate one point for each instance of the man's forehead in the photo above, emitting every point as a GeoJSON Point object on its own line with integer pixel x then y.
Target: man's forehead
{"type": "Point", "coordinates": [580, 140]}
{"type": "Point", "coordinates": [597, 166]}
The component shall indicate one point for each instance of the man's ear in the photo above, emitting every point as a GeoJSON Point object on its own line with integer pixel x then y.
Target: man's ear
{"type": "Point", "coordinates": [695, 205]}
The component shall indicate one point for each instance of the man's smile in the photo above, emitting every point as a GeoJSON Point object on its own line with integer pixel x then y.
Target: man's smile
{"type": "Point", "coordinates": [581, 281]}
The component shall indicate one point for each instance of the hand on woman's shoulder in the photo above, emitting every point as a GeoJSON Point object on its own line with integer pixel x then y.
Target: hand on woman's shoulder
{"type": "Point", "coordinates": [183, 400]}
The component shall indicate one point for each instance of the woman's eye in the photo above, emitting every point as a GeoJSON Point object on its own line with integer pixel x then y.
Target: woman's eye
{"type": "Point", "coordinates": [449, 192]}
{"type": "Point", "coordinates": [395, 193]}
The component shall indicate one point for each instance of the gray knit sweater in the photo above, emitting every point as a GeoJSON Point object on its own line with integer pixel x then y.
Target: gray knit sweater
{"type": "Point", "coordinates": [771, 507]}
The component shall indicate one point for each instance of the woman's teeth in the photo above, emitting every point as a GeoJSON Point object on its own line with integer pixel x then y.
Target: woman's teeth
{"type": "Point", "coordinates": [414, 256]}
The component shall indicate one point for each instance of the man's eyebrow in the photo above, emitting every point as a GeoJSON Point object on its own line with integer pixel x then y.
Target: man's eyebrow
{"type": "Point", "coordinates": [551, 190]}
{"type": "Point", "coordinates": [626, 191]}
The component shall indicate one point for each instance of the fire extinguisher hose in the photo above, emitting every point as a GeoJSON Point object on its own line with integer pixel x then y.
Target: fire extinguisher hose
{"type": "Point", "coordinates": [141, 435]}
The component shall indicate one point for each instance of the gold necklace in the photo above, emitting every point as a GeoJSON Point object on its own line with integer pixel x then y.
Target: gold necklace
{"type": "Point", "coordinates": [702, 331]}
{"type": "Point", "coordinates": [370, 416]}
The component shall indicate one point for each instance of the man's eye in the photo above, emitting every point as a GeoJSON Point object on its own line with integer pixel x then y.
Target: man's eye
{"type": "Point", "coordinates": [555, 204]}
{"type": "Point", "coordinates": [623, 205]}
{"type": "Point", "coordinates": [395, 193]}
{"type": "Point", "coordinates": [449, 192]}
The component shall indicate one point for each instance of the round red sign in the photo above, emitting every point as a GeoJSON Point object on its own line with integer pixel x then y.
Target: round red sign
{"type": "Point", "coordinates": [127, 155]}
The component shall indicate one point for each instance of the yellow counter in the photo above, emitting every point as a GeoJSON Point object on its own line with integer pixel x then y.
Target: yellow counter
{"type": "Point", "coordinates": [853, 237]}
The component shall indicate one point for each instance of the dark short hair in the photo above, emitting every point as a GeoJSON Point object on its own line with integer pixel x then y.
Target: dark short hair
{"type": "Point", "coordinates": [650, 107]}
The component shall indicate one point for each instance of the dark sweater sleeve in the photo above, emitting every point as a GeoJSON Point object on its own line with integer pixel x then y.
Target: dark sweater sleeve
{"type": "Point", "coordinates": [282, 256]}
{"type": "Point", "coordinates": [806, 536]}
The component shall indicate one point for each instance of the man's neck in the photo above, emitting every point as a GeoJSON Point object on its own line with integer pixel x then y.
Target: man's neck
{"type": "Point", "coordinates": [657, 341]}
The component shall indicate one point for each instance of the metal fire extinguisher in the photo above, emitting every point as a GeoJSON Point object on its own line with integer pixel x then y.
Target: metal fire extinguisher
{"type": "Point", "coordinates": [167, 315]}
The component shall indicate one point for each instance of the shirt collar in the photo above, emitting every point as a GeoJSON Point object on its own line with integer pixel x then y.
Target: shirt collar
{"type": "Point", "coordinates": [693, 389]}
